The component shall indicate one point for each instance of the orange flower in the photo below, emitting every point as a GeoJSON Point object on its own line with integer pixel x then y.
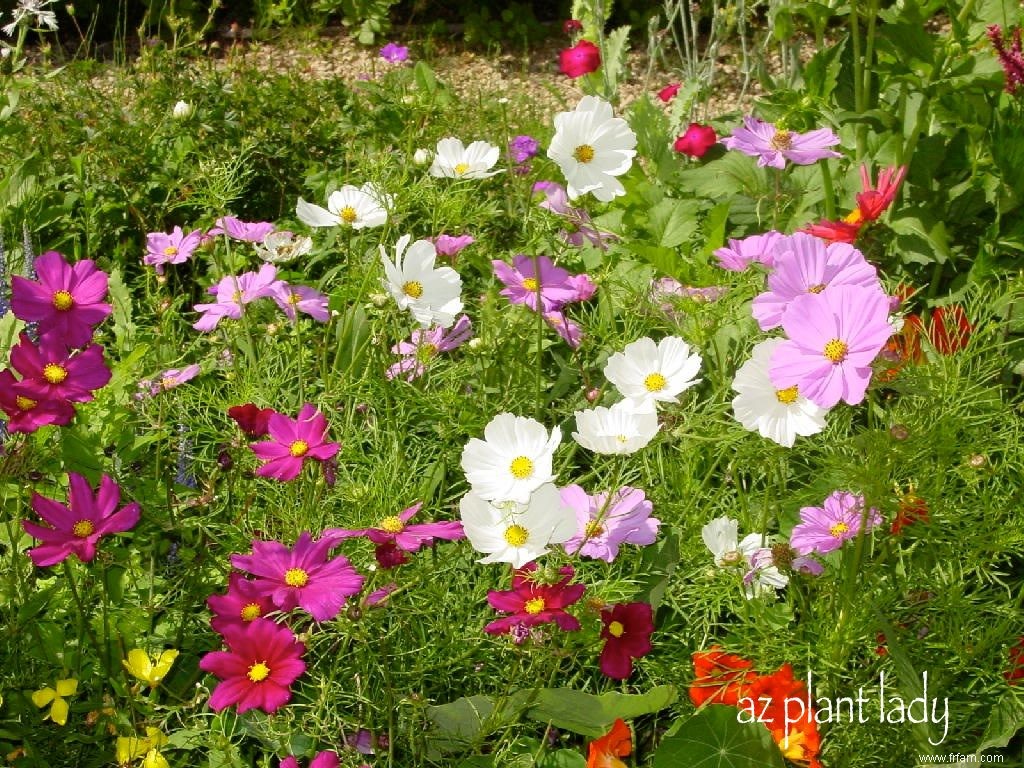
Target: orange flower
{"type": "Point", "coordinates": [910, 508]}
{"type": "Point", "coordinates": [606, 751]}
{"type": "Point", "coordinates": [788, 702]}
{"type": "Point", "coordinates": [719, 677]}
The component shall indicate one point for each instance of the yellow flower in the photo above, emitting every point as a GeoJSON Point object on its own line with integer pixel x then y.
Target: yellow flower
{"type": "Point", "coordinates": [129, 748]}
{"type": "Point", "coordinates": [150, 671]}
{"type": "Point", "coordinates": [59, 708]}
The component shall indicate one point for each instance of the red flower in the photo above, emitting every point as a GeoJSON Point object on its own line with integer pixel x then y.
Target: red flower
{"type": "Point", "coordinates": [606, 751]}
{"type": "Point", "coordinates": [627, 634]}
{"type": "Point", "coordinates": [582, 58]}
{"type": "Point", "coordinates": [844, 231]}
{"type": "Point", "coordinates": [1016, 669]}
{"type": "Point", "coordinates": [251, 419]}
{"type": "Point", "coordinates": [531, 603]}
{"type": "Point", "coordinates": [669, 92]}
{"type": "Point", "coordinates": [873, 202]}
{"type": "Point", "coordinates": [949, 329]}
{"type": "Point", "coordinates": [572, 26]}
{"type": "Point", "coordinates": [697, 140]}
{"type": "Point", "coordinates": [785, 700]}
{"type": "Point", "coordinates": [719, 677]}
{"type": "Point", "coordinates": [910, 509]}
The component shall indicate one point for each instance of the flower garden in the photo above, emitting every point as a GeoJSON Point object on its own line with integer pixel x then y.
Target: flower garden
{"type": "Point", "coordinates": [361, 422]}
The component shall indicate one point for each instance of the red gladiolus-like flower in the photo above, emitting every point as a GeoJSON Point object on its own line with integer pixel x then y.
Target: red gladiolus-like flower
{"type": "Point", "coordinates": [627, 634]}
{"type": "Point", "coordinates": [948, 330]}
{"type": "Point", "coordinates": [719, 677]}
{"type": "Point", "coordinates": [1015, 671]}
{"type": "Point", "coordinates": [606, 751]}
{"type": "Point", "coordinates": [844, 231]}
{"type": "Point", "coordinates": [872, 202]}
{"type": "Point", "coordinates": [582, 58]}
{"type": "Point", "coordinates": [531, 603]}
{"type": "Point", "coordinates": [910, 509]}
{"type": "Point", "coordinates": [697, 140]}
{"type": "Point", "coordinates": [669, 92]}
{"type": "Point", "coordinates": [251, 419]}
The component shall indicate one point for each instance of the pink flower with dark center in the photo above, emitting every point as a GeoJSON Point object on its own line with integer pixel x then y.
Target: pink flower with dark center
{"type": "Point", "coordinates": [244, 602]}
{"type": "Point", "coordinates": [325, 759]}
{"type": "Point", "coordinates": [531, 602]}
{"type": "Point", "coordinates": [423, 346]}
{"type": "Point", "coordinates": [76, 528]}
{"type": "Point", "coordinates": [301, 298]}
{"type": "Point", "coordinates": [605, 525]}
{"type": "Point", "coordinates": [833, 338]}
{"type": "Point", "coordinates": [395, 529]}
{"type": "Point", "coordinates": [302, 576]}
{"type": "Point", "coordinates": [174, 248]}
{"type": "Point", "coordinates": [826, 528]}
{"type": "Point", "coordinates": [755, 248]}
{"type": "Point", "coordinates": [534, 282]}
{"type": "Point", "coordinates": [26, 414]}
{"type": "Point", "coordinates": [626, 630]}
{"type": "Point", "coordinates": [773, 146]}
{"type": "Point", "coordinates": [669, 92]}
{"type": "Point", "coordinates": [450, 245]}
{"type": "Point", "coordinates": [233, 292]}
{"type": "Point", "coordinates": [292, 442]}
{"type": "Point", "coordinates": [803, 265]}
{"type": "Point", "coordinates": [262, 661]}
{"type": "Point", "coordinates": [569, 330]}
{"type": "Point", "coordinates": [236, 229]}
{"type": "Point", "coordinates": [66, 302]}
{"type": "Point", "coordinates": [49, 372]}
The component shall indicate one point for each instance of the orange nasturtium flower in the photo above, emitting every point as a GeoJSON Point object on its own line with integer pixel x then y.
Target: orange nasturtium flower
{"type": "Point", "coordinates": [606, 751]}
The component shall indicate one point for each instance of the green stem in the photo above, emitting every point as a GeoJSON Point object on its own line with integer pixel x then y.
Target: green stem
{"type": "Point", "coordinates": [83, 617]}
{"type": "Point", "coordinates": [828, 189]}
{"type": "Point", "coordinates": [539, 403]}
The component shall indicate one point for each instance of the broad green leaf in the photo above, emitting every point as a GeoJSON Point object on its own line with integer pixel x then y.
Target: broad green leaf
{"type": "Point", "coordinates": [715, 738]}
{"type": "Point", "coordinates": [920, 237]}
{"type": "Point", "coordinates": [615, 47]}
{"type": "Point", "coordinates": [10, 327]}
{"type": "Point", "coordinates": [121, 300]}
{"type": "Point", "coordinates": [714, 228]}
{"type": "Point", "coordinates": [673, 221]}
{"type": "Point", "coordinates": [591, 715]}
{"type": "Point", "coordinates": [1006, 718]}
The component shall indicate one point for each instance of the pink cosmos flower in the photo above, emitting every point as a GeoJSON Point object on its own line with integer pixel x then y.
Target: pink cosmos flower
{"type": "Point", "coordinates": [262, 661]}
{"type": "Point", "coordinates": [833, 338]}
{"type": "Point", "coordinates": [774, 146]}
{"type": "Point", "coordinates": [824, 529]}
{"type": "Point", "coordinates": [173, 248]}
{"type": "Point", "coordinates": [244, 602]}
{"type": "Point", "coordinates": [396, 529]}
{"type": "Point", "coordinates": [532, 281]}
{"type": "Point", "coordinates": [557, 201]}
{"type": "Point", "coordinates": [236, 229]}
{"type": "Point", "coordinates": [755, 248]}
{"type": "Point", "coordinates": [66, 302]}
{"type": "Point", "coordinates": [606, 525]}
{"type": "Point", "coordinates": [232, 293]}
{"type": "Point", "coordinates": [424, 345]}
{"type": "Point", "coordinates": [292, 442]}
{"type": "Point", "coordinates": [26, 414]}
{"type": "Point", "coordinates": [174, 377]}
{"type": "Point", "coordinates": [530, 602]}
{"type": "Point", "coordinates": [669, 92]}
{"type": "Point", "coordinates": [626, 630]}
{"type": "Point", "coordinates": [302, 298]}
{"type": "Point", "coordinates": [450, 245]}
{"type": "Point", "coordinates": [50, 372]}
{"type": "Point", "coordinates": [569, 330]}
{"type": "Point", "coordinates": [325, 759]}
{"type": "Point", "coordinates": [804, 264]}
{"type": "Point", "coordinates": [76, 528]}
{"type": "Point", "coordinates": [302, 576]}
{"type": "Point", "coordinates": [394, 53]}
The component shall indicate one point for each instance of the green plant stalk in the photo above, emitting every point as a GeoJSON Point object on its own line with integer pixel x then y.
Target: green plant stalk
{"type": "Point", "coordinates": [83, 617]}
{"type": "Point", "coordinates": [828, 189]}
{"type": "Point", "coordinates": [539, 402]}
{"type": "Point", "coordinates": [858, 70]}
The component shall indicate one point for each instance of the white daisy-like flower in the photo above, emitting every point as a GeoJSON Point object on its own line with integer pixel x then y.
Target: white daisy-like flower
{"type": "Point", "coordinates": [621, 429]}
{"type": "Point", "coordinates": [510, 532]}
{"type": "Point", "coordinates": [452, 160]}
{"type": "Point", "coordinates": [778, 414]}
{"type": "Point", "coordinates": [721, 536]}
{"type": "Point", "coordinates": [513, 459]}
{"type": "Point", "coordinates": [36, 14]}
{"type": "Point", "coordinates": [645, 372]}
{"type": "Point", "coordinates": [592, 147]}
{"type": "Point", "coordinates": [356, 207]}
{"type": "Point", "coordinates": [283, 246]}
{"type": "Point", "coordinates": [760, 572]}
{"type": "Point", "coordinates": [432, 294]}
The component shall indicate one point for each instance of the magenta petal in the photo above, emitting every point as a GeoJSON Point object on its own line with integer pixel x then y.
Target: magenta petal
{"type": "Point", "coordinates": [283, 469]}
{"type": "Point", "coordinates": [615, 663]}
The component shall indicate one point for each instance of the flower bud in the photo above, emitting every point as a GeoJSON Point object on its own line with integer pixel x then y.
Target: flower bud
{"type": "Point", "coordinates": [182, 110]}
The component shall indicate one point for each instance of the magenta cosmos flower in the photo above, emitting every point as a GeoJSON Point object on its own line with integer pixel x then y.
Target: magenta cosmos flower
{"type": "Point", "coordinates": [292, 442]}
{"type": "Point", "coordinates": [532, 281]}
{"type": "Point", "coordinates": [423, 346]}
{"type": "Point", "coordinates": [450, 245]}
{"type": "Point", "coordinates": [773, 146]}
{"type": "Point", "coordinates": [804, 264]}
{"type": "Point", "coordinates": [755, 248]}
{"type": "Point", "coordinates": [26, 414]}
{"type": "Point", "coordinates": [246, 231]}
{"type": "Point", "coordinates": [395, 529]}
{"type": "Point", "coordinates": [49, 372]}
{"type": "Point", "coordinates": [66, 302]}
{"type": "Point", "coordinates": [76, 528]}
{"type": "Point", "coordinates": [325, 759]}
{"type": "Point", "coordinates": [232, 293]}
{"type": "Point", "coordinates": [605, 525]}
{"type": "Point", "coordinates": [626, 630]}
{"type": "Point", "coordinates": [394, 53]}
{"type": "Point", "coordinates": [824, 529]}
{"type": "Point", "coordinates": [170, 248]}
{"type": "Point", "coordinates": [302, 576]}
{"type": "Point", "coordinates": [301, 298]}
{"type": "Point", "coordinates": [531, 602]}
{"type": "Point", "coordinates": [262, 661]}
{"type": "Point", "coordinates": [569, 330]}
{"type": "Point", "coordinates": [833, 338]}
{"type": "Point", "coordinates": [244, 602]}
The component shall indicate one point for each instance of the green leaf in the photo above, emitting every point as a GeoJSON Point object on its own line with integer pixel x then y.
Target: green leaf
{"type": "Point", "coordinates": [121, 300]}
{"type": "Point", "coordinates": [10, 327]}
{"type": "Point", "coordinates": [715, 738]}
{"type": "Point", "coordinates": [562, 758]}
{"type": "Point", "coordinates": [665, 260]}
{"type": "Point", "coordinates": [591, 715]}
{"type": "Point", "coordinates": [614, 55]}
{"type": "Point", "coordinates": [1006, 719]}
{"type": "Point", "coordinates": [464, 722]}
{"type": "Point", "coordinates": [822, 72]}
{"type": "Point", "coordinates": [714, 228]}
{"type": "Point", "coordinates": [672, 222]}
{"type": "Point", "coordinates": [919, 237]}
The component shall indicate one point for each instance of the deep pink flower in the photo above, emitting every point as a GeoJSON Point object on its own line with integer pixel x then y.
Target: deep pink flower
{"type": "Point", "coordinates": [532, 281]}
{"type": "Point", "coordinates": [262, 661]}
{"type": "Point", "coordinates": [1012, 59]}
{"type": "Point", "coordinates": [174, 248]}
{"type": "Point", "coordinates": [251, 419]}
{"type": "Point", "coordinates": [232, 293]}
{"type": "Point", "coordinates": [49, 372]}
{"type": "Point", "coordinates": [873, 201]}
{"type": "Point", "coordinates": [236, 229]}
{"type": "Point", "coordinates": [325, 759]}
{"type": "Point", "coordinates": [669, 92]}
{"type": "Point", "coordinates": [697, 140]}
{"type": "Point", "coordinates": [292, 442]}
{"type": "Point", "coordinates": [424, 345]}
{"type": "Point", "coordinates": [833, 338]}
{"type": "Point", "coordinates": [395, 529]}
{"type": "Point", "coordinates": [450, 245]}
{"type": "Point", "coordinates": [606, 525]}
{"type": "Point", "coordinates": [26, 414]}
{"type": "Point", "coordinates": [824, 529]}
{"type": "Point", "coordinates": [244, 602]}
{"type": "Point", "coordinates": [569, 330]}
{"type": "Point", "coordinates": [755, 248]}
{"type": "Point", "coordinates": [530, 602]}
{"type": "Point", "coordinates": [302, 576]}
{"type": "Point", "coordinates": [66, 302]}
{"type": "Point", "coordinates": [626, 630]}
{"type": "Point", "coordinates": [582, 58]}
{"type": "Point", "coordinates": [834, 231]}
{"type": "Point", "coordinates": [389, 555]}
{"type": "Point", "coordinates": [76, 528]}
{"type": "Point", "coordinates": [773, 146]}
{"type": "Point", "coordinates": [583, 287]}
{"type": "Point", "coordinates": [302, 298]}
{"type": "Point", "coordinates": [394, 53]}
{"type": "Point", "coordinates": [522, 148]}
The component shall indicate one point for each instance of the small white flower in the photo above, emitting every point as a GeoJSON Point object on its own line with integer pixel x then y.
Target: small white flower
{"type": "Point", "coordinates": [646, 372]}
{"type": "Point", "coordinates": [778, 414]}
{"type": "Point", "coordinates": [621, 429]}
{"type": "Point", "coordinates": [455, 161]}
{"type": "Point", "coordinates": [509, 532]}
{"type": "Point", "coordinates": [760, 573]}
{"type": "Point", "coordinates": [283, 246]}
{"type": "Point", "coordinates": [422, 156]}
{"type": "Point", "coordinates": [512, 460]}
{"type": "Point", "coordinates": [182, 110]}
{"type": "Point", "coordinates": [31, 8]}
{"type": "Point", "coordinates": [721, 536]}
{"type": "Point", "coordinates": [592, 147]}
{"type": "Point", "coordinates": [433, 295]}
{"type": "Point", "coordinates": [350, 206]}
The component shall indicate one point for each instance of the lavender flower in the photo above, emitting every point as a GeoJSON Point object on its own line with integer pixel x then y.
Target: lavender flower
{"type": "Point", "coordinates": [773, 146]}
{"type": "Point", "coordinates": [394, 53]}
{"type": "Point", "coordinates": [522, 148]}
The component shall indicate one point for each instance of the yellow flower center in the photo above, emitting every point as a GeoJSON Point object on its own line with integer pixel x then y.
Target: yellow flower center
{"type": "Point", "coordinates": [534, 605]}
{"type": "Point", "coordinates": [516, 535]}
{"type": "Point", "coordinates": [25, 403]}
{"type": "Point", "coordinates": [655, 382]}
{"type": "Point", "coordinates": [298, 448]}
{"type": "Point", "coordinates": [584, 153]}
{"type": "Point", "coordinates": [816, 288]}
{"type": "Point", "coordinates": [83, 528]}
{"type": "Point", "coordinates": [296, 577]}
{"type": "Point", "coordinates": [461, 168]}
{"type": "Point", "coordinates": [258, 672]}
{"type": "Point", "coordinates": [622, 438]}
{"type": "Point", "coordinates": [413, 288]}
{"type": "Point", "coordinates": [54, 373]}
{"type": "Point", "coordinates": [392, 524]}
{"type": "Point", "coordinates": [63, 301]}
{"type": "Point", "coordinates": [839, 529]}
{"type": "Point", "coordinates": [170, 250]}
{"type": "Point", "coordinates": [787, 396]}
{"type": "Point", "coordinates": [167, 382]}
{"type": "Point", "coordinates": [425, 351]}
{"type": "Point", "coordinates": [593, 528]}
{"type": "Point", "coordinates": [521, 467]}
{"type": "Point", "coordinates": [781, 140]}
{"type": "Point", "coordinates": [347, 214]}
{"type": "Point", "coordinates": [530, 284]}
{"type": "Point", "coordinates": [294, 298]}
{"type": "Point", "coordinates": [251, 612]}
{"type": "Point", "coordinates": [615, 629]}
{"type": "Point", "coordinates": [237, 297]}
{"type": "Point", "coordinates": [854, 217]}
{"type": "Point", "coordinates": [835, 350]}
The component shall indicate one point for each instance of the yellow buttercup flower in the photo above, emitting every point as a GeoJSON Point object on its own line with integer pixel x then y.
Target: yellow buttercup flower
{"type": "Point", "coordinates": [130, 748]}
{"type": "Point", "coordinates": [55, 698]}
{"type": "Point", "coordinates": [149, 670]}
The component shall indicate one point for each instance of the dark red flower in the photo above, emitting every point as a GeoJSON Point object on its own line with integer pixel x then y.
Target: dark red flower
{"type": "Point", "coordinates": [251, 419]}
{"type": "Point", "coordinates": [719, 677]}
{"type": "Point", "coordinates": [582, 58]}
{"type": "Point", "coordinates": [627, 634]}
{"type": "Point", "coordinates": [572, 26]}
{"type": "Point", "coordinates": [948, 329]}
{"type": "Point", "coordinates": [1015, 671]}
{"type": "Point", "coordinates": [910, 509]}
{"type": "Point", "coordinates": [390, 555]}
{"type": "Point", "coordinates": [530, 602]}
{"type": "Point", "coordinates": [697, 140]}
{"type": "Point", "coordinates": [669, 92]}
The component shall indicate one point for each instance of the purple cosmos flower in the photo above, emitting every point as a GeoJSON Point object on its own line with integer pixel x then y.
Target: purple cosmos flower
{"type": "Point", "coordinates": [302, 298]}
{"type": "Point", "coordinates": [774, 146]}
{"type": "Point", "coordinates": [397, 530]}
{"type": "Point", "coordinates": [833, 338]}
{"type": "Point", "coordinates": [824, 529]}
{"type": "Point", "coordinates": [532, 281]}
{"type": "Point", "coordinates": [174, 377]}
{"type": "Point", "coordinates": [449, 245]}
{"type": "Point", "coordinates": [244, 602]}
{"type": "Point", "coordinates": [379, 596]}
{"type": "Point", "coordinates": [394, 54]}
{"type": "Point", "coordinates": [232, 293]}
{"type": "Point", "coordinates": [76, 528]}
{"type": "Point", "coordinates": [423, 346]}
{"type": "Point", "coordinates": [173, 248]}
{"type": "Point", "coordinates": [66, 302]}
{"type": "Point", "coordinates": [530, 602]}
{"type": "Point", "coordinates": [292, 442]}
{"type": "Point", "coordinates": [246, 231]}
{"type": "Point", "coordinates": [756, 248]}
{"type": "Point", "coordinates": [557, 201]}
{"type": "Point", "coordinates": [804, 264]}
{"type": "Point", "coordinates": [583, 287]}
{"type": "Point", "coordinates": [569, 330]}
{"type": "Point", "coordinates": [302, 576]}
{"type": "Point", "coordinates": [361, 741]}
{"type": "Point", "coordinates": [605, 525]}
{"type": "Point", "coordinates": [522, 148]}
{"type": "Point", "coordinates": [26, 414]}
{"type": "Point", "coordinates": [325, 759]}
{"type": "Point", "coordinates": [50, 372]}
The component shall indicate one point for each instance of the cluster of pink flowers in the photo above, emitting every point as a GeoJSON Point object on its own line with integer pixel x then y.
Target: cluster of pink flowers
{"type": "Point", "coordinates": [235, 291]}
{"type": "Point", "coordinates": [424, 345]}
{"type": "Point", "coordinates": [177, 247]}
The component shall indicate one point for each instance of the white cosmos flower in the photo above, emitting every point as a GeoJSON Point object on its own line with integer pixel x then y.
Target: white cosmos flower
{"type": "Point", "coordinates": [592, 147]}
{"type": "Point", "coordinates": [621, 429]}
{"type": "Point", "coordinates": [452, 160]}
{"type": "Point", "coordinates": [646, 372]}
{"type": "Point", "coordinates": [432, 294]}
{"type": "Point", "coordinates": [509, 532]}
{"type": "Point", "coordinates": [513, 459]}
{"type": "Point", "coordinates": [778, 414]}
{"type": "Point", "coordinates": [283, 246]}
{"type": "Point", "coordinates": [720, 536]}
{"type": "Point", "coordinates": [350, 206]}
{"type": "Point", "coordinates": [760, 572]}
